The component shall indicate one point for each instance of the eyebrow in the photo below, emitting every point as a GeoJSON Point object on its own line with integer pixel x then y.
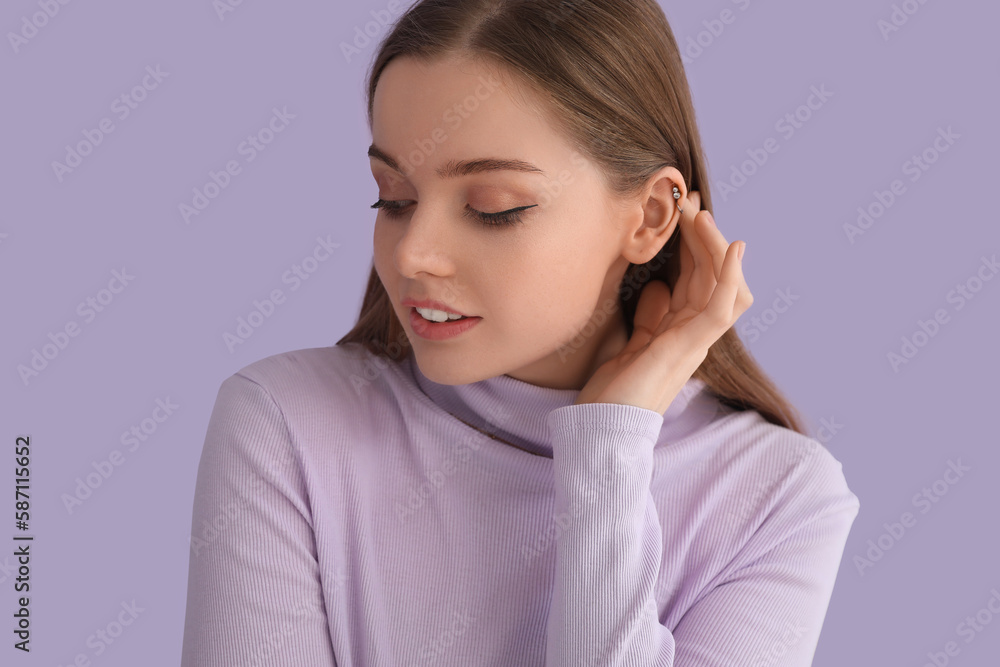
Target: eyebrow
{"type": "Point", "coordinates": [457, 168]}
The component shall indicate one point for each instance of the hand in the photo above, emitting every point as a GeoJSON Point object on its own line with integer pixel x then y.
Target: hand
{"type": "Point", "coordinates": [673, 332]}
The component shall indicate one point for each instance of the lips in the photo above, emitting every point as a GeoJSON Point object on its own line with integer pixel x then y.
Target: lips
{"type": "Point", "coordinates": [439, 331]}
{"type": "Point", "coordinates": [450, 319]}
{"type": "Point", "coordinates": [432, 305]}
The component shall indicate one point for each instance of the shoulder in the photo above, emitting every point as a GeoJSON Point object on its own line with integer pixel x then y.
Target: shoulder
{"type": "Point", "coordinates": [297, 375]}
{"type": "Point", "coordinates": [314, 407]}
{"type": "Point", "coordinates": [319, 383]}
{"type": "Point", "coordinates": [285, 371]}
{"type": "Point", "coordinates": [790, 458]}
{"type": "Point", "coordinates": [780, 479]}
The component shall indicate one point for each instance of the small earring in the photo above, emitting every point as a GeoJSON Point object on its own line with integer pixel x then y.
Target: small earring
{"type": "Point", "coordinates": [677, 195]}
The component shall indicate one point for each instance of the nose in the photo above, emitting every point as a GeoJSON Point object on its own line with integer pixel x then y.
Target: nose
{"type": "Point", "coordinates": [426, 244]}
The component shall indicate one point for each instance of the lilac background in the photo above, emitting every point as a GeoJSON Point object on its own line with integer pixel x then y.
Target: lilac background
{"type": "Point", "coordinates": [895, 430]}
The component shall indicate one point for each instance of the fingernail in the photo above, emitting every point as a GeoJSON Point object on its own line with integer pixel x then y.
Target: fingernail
{"type": "Point", "coordinates": [743, 246]}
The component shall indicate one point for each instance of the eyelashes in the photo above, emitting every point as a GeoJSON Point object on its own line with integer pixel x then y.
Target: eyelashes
{"type": "Point", "coordinates": [394, 210]}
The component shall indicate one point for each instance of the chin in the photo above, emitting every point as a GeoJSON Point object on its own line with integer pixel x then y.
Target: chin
{"type": "Point", "coordinates": [444, 371]}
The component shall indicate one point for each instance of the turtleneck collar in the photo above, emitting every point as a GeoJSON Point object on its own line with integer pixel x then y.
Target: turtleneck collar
{"type": "Point", "coordinates": [516, 411]}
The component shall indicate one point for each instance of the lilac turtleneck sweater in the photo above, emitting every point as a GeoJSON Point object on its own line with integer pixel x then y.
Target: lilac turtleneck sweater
{"type": "Point", "coordinates": [343, 517]}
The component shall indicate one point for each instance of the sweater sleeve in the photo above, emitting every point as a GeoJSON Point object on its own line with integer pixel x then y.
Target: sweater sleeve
{"type": "Point", "coordinates": [254, 595]}
{"type": "Point", "coordinates": [767, 611]}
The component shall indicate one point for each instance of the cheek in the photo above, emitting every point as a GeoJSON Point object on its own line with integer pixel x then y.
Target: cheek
{"type": "Point", "coordinates": [382, 261]}
{"type": "Point", "coordinates": [383, 246]}
{"type": "Point", "coordinates": [543, 300]}
{"type": "Point", "coordinates": [570, 285]}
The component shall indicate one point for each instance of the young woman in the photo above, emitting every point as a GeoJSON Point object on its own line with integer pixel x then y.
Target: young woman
{"type": "Point", "coordinates": [542, 443]}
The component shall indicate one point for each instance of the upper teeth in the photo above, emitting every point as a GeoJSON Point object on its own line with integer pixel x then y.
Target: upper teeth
{"type": "Point", "coordinates": [437, 315]}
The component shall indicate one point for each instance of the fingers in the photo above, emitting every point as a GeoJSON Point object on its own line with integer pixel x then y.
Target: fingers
{"type": "Point", "coordinates": [679, 298]}
{"type": "Point", "coordinates": [693, 202]}
{"type": "Point", "coordinates": [710, 281]}
{"type": "Point", "coordinates": [703, 274]}
{"type": "Point", "coordinates": [730, 299]}
{"type": "Point", "coordinates": [654, 303]}
{"type": "Point", "coordinates": [715, 243]}
{"type": "Point", "coordinates": [706, 247]}
{"type": "Point", "coordinates": [691, 206]}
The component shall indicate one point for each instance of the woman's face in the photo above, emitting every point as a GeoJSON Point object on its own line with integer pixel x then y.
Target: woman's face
{"type": "Point", "coordinates": [545, 286]}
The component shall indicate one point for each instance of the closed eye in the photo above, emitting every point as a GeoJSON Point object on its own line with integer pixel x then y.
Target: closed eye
{"type": "Point", "coordinates": [395, 209]}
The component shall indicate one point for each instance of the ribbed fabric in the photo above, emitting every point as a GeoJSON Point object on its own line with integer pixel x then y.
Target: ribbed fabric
{"type": "Point", "coordinates": [343, 517]}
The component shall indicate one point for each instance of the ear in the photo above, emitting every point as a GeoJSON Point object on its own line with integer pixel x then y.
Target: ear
{"type": "Point", "coordinates": [656, 215]}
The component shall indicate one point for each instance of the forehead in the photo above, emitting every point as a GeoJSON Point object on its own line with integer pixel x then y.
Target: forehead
{"type": "Point", "coordinates": [450, 108]}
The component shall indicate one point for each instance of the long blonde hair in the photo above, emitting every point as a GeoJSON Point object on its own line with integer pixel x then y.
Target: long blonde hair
{"type": "Point", "coordinates": [612, 76]}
